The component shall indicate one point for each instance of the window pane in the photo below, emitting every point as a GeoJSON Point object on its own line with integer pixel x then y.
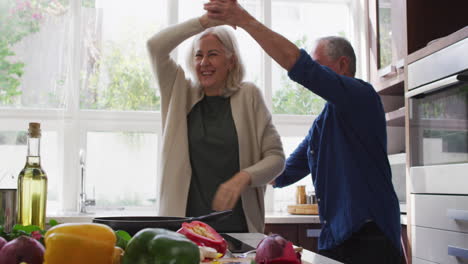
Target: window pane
{"type": "Point", "coordinates": [287, 195]}
{"type": "Point", "coordinates": [249, 50]}
{"type": "Point", "coordinates": [303, 22]}
{"type": "Point", "coordinates": [121, 169]}
{"type": "Point", "coordinates": [116, 72]}
{"type": "Point", "coordinates": [385, 32]}
{"type": "Point", "coordinates": [34, 53]}
{"type": "Point", "coordinates": [13, 151]}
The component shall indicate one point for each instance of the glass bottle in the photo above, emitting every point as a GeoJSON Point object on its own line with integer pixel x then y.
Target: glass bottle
{"type": "Point", "coordinates": [32, 183]}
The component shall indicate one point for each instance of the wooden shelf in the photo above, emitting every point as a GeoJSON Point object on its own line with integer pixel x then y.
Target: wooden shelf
{"type": "Point", "coordinates": [396, 118]}
{"type": "Point", "coordinates": [391, 86]}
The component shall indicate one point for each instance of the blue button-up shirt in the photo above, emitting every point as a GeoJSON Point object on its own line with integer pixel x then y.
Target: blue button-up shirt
{"type": "Point", "coordinates": [345, 151]}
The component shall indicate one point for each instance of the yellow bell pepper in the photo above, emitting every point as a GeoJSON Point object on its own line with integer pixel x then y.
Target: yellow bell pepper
{"type": "Point", "coordinates": [79, 244]}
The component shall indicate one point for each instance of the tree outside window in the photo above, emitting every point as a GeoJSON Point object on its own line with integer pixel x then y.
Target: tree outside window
{"type": "Point", "coordinates": [19, 19]}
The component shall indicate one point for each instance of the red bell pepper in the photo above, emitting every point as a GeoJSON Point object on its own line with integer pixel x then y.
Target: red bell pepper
{"type": "Point", "coordinates": [204, 235]}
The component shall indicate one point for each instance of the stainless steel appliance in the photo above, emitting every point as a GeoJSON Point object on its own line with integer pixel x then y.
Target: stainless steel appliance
{"type": "Point", "coordinates": [438, 149]}
{"type": "Point", "coordinates": [7, 208]}
{"type": "Point", "coordinates": [438, 120]}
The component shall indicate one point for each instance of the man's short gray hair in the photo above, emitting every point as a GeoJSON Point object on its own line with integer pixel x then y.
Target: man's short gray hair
{"type": "Point", "coordinates": [337, 47]}
{"type": "Point", "coordinates": [231, 48]}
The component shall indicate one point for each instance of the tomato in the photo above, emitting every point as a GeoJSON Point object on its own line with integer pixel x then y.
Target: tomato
{"type": "Point", "coordinates": [204, 235]}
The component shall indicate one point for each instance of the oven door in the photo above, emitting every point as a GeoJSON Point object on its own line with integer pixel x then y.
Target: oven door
{"type": "Point", "coordinates": [438, 136]}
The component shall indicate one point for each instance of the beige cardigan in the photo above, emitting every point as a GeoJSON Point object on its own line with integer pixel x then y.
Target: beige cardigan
{"type": "Point", "coordinates": [260, 149]}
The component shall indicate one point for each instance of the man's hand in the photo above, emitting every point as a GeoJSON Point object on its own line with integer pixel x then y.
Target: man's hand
{"type": "Point", "coordinates": [229, 192]}
{"type": "Point", "coordinates": [228, 11]}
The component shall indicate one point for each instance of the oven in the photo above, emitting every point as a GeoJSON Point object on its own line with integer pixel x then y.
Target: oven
{"type": "Point", "coordinates": [438, 155]}
{"type": "Point", "coordinates": [438, 119]}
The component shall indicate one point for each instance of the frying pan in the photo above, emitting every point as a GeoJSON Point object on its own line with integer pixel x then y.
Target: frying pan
{"type": "Point", "coordinates": [133, 224]}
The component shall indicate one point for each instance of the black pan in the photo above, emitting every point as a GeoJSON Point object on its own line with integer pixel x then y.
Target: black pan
{"type": "Point", "coordinates": [133, 224]}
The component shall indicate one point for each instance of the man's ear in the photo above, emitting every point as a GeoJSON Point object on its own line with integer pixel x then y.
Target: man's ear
{"type": "Point", "coordinates": [343, 64]}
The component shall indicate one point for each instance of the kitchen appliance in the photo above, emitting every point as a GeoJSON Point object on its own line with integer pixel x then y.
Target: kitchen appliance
{"type": "Point", "coordinates": [8, 208]}
{"type": "Point", "coordinates": [438, 120]}
{"type": "Point", "coordinates": [133, 224]}
{"type": "Point", "coordinates": [438, 155]}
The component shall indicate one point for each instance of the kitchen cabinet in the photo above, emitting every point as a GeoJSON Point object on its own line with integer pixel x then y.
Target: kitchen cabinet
{"type": "Point", "coordinates": [388, 50]}
{"type": "Point", "coordinates": [437, 194]}
{"type": "Point", "coordinates": [401, 32]}
{"type": "Point", "coordinates": [387, 40]}
{"type": "Point", "coordinates": [306, 235]}
{"type": "Point", "coordinates": [303, 235]}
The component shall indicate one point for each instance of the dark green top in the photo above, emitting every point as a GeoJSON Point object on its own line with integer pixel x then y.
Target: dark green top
{"type": "Point", "coordinates": [214, 157]}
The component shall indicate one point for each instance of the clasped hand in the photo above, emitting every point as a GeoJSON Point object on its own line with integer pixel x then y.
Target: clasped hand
{"type": "Point", "coordinates": [228, 12]}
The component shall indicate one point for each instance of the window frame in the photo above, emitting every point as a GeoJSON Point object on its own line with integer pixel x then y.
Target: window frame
{"type": "Point", "coordinates": [72, 123]}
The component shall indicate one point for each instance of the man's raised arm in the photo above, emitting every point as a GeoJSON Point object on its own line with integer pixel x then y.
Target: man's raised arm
{"type": "Point", "coordinates": [283, 51]}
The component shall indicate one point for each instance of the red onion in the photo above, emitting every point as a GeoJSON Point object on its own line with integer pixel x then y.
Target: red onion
{"type": "Point", "coordinates": [22, 249]}
{"type": "Point", "coordinates": [2, 242]}
{"type": "Point", "coordinates": [274, 249]}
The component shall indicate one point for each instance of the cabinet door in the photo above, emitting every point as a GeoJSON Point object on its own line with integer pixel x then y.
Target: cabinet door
{"type": "Point", "coordinates": [387, 38]}
{"type": "Point", "coordinates": [308, 235]}
{"type": "Point", "coordinates": [288, 231]}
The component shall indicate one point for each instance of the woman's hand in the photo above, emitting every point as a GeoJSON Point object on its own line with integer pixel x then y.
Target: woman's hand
{"type": "Point", "coordinates": [228, 11]}
{"type": "Point", "coordinates": [229, 192]}
{"type": "Point", "coordinates": [208, 22]}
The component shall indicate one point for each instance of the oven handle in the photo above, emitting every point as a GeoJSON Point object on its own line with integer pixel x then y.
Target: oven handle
{"type": "Point", "coordinates": [434, 86]}
{"type": "Point", "coordinates": [460, 215]}
{"type": "Point", "coordinates": [457, 252]}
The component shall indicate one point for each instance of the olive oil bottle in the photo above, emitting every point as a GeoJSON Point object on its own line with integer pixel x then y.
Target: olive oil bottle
{"type": "Point", "coordinates": [32, 183]}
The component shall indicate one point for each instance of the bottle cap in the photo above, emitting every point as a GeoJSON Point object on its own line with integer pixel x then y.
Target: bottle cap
{"type": "Point", "coordinates": [35, 130]}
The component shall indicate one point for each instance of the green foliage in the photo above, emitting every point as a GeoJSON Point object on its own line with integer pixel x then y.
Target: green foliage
{"type": "Point", "coordinates": [121, 80]}
{"type": "Point", "coordinates": [292, 98]}
{"type": "Point", "coordinates": [122, 239]}
{"type": "Point", "coordinates": [19, 19]}
{"type": "Point", "coordinates": [385, 36]}
{"type": "Point", "coordinates": [29, 230]}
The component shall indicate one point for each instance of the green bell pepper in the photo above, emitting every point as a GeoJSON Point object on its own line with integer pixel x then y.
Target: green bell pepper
{"type": "Point", "coordinates": [160, 246]}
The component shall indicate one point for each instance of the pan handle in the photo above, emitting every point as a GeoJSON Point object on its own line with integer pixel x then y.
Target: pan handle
{"type": "Point", "coordinates": [213, 217]}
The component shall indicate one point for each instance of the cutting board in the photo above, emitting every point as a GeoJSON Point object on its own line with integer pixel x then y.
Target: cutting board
{"type": "Point", "coordinates": [303, 209]}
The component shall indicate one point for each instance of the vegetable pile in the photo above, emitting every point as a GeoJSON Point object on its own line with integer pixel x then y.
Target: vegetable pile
{"type": "Point", "coordinates": [88, 243]}
{"type": "Point", "coordinates": [93, 243]}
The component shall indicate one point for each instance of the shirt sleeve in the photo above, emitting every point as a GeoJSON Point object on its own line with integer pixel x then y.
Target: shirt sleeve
{"type": "Point", "coordinates": [160, 46]}
{"type": "Point", "coordinates": [297, 166]}
{"type": "Point", "coordinates": [272, 159]}
{"type": "Point", "coordinates": [344, 92]}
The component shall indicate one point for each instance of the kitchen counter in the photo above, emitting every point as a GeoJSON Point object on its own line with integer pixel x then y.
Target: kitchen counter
{"type": "Point", "coordinates": [286, 218]}
{"type": "Point", "coordinates": [308, 257]}
{"type": "Point", "coordinates": [270, 218]}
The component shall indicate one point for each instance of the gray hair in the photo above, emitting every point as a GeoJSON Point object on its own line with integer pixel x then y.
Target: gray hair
{"type": "Point", "coordinates": [231, 48]}
{"type": "Point", "coordinates": [337, 47]}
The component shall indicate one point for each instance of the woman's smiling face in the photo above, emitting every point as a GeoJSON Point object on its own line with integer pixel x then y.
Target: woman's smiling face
{"type": "Point", "coordinates": [212, 64]}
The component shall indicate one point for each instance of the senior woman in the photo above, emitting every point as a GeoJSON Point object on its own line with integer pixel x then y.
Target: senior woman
{"type": "Point", "coordinates": [220, 148]}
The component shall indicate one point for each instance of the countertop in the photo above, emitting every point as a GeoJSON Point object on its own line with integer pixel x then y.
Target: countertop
{"type": "Point", "coordinates": [308, 257]}
{"type": "Point", "coordinates": [270, 218]}
{"type": "Point", "coordinates": [286, 218]}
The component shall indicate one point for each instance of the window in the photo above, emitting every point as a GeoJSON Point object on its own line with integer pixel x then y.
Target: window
{"type": "Point", "coordinates": [303, 22]}
{"type": "Point", "coordinates": [287, 195]}
{"type": "Point", "coordinates": [81, 69]}
{"type": "Point", "coordinates": [115, 159]}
